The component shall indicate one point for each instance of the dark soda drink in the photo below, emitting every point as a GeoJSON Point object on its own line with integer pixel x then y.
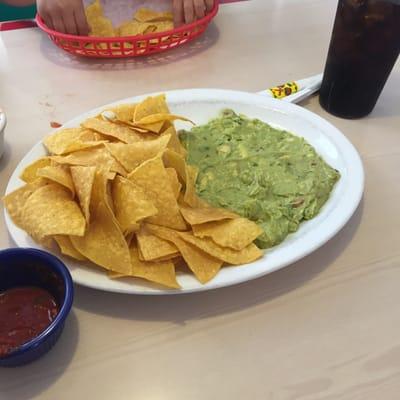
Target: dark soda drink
{"type": "Point", "coordinates": [364, 47]}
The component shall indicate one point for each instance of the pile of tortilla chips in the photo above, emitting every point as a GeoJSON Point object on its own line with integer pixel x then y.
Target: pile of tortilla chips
{"type": "Point", "coordinates": [117, 191]}
{"type": "Point", "coordinates": [144, 21]}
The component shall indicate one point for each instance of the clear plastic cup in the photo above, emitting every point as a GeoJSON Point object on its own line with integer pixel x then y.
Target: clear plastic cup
{"type": "Point", "coordinates": [364, 47]}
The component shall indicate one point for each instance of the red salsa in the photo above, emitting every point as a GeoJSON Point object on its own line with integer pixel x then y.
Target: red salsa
{"type": "Point", "coordinates": [25, 312]}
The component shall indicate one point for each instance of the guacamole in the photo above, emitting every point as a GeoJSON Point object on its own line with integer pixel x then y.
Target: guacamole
{"type": "Point", "coordinates": [267, 175]}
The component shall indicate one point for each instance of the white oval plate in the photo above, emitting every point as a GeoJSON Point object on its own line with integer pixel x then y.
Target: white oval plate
{"type": "Point", "coordinates": [200, 105]}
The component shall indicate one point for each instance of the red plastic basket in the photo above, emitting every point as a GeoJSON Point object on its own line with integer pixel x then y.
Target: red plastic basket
{"type": "Point", "coordinates": [128, 46]}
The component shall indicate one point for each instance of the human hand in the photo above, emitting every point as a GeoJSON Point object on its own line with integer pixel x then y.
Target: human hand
{"type": "Point", "coordinates": [65, 16]}
{"type": "Point", "coordinates": [188, 11]}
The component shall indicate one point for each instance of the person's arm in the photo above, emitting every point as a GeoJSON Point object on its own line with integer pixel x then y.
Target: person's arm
{"type": "Point", "coordinates": [65, 16]}
{"type": "Point", "coordinates": [188, 11]}
{"type": "Point", "coordinates": [18, 3]}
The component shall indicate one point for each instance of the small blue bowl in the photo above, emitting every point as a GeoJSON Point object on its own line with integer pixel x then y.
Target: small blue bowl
{"type": "Point", "coordinates": [32, 267]}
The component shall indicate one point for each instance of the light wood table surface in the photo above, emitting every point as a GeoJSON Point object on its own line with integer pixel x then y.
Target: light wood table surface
{"type": "Point", "coordinates": [326, 328]}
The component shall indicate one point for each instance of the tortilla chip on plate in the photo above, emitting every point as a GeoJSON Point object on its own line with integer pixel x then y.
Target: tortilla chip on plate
{"type": "Point", "coordinates": [133, 154]}
{"type": "Point", "coordinates": [160, 117]}
{"type": "Point", "coordinates": [14, 202]}
{"type": "Point", "coordinates": [98, 156]}
{"type": "Point", "coordinates": [59, 174]}
{"type": "Point", "coordinates": [235, 233]}
{"type": "Point", "coordinates": [131, 204]}
{"type": "Point", "coordinates": [174, 143]}
{"type": "Point", "coordinates": [104, 243]}
{"type": "Point", "coordinates": [196, 216]}
{"type": "Point", "coordinates": [120, 132]}
{"type": "Point", "coordinates": [83, 178]}
{"type": "Point", "coordinates": [235, 257]}
{"type": "Point", "coordinates": [174, 181]}
{"type": "Point", "coordinates": [51, 211]}
{"type": "Point", "coordinates": [69, 140]}
{"type": "Point", "coordinates": [150, 106]}
{"type": "Point", "coordinates": [152, 247]}
{"type": "Point", "coordinates": [67, 248]}
{"type": "Point", "coordinates": [162, 272]}
{"type": "Point", "coordinates": [204, 266]}
{"type": "Point", "coordinates": [124, 112]}
{"type": "Point", "coordinates": [153, 178]}
{"type": "Point", "coordinates": [29, 173]}
{"type": "Point", "coordinates": [190, 197]}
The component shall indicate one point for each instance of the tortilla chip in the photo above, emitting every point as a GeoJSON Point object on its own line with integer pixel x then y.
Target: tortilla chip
{"type": "Point", "coordinates": [173, 258]}
{"type": "Point", "coordinates": [116, 275]}
{"type": "Point", "coordinates": [134, 154]}
{"type": "Point", "coordinates": [88, 135]}
{"type": "Point", "coordinates": [47, 242]}
{"type": "Point", "coordinates": [134, 28]}
{"type": "Point", "coordinates": [130, 238]}
{"type": "Point", "coordinates": [174, 181]}
{"type": "Point", "coordinates": [190, 197]}
{"type": "Point", "coordinates": [131, 204]}
{"type": "Point", "coordinates": [50, 211]}
{"type": "Point", "coordinates": [67, 248]}
{"type": "Point", "coordinates": [235, 233]}
{"type": "Point", "coordinates": [163, 26]}
{"type": "Point", "coordinates": [144, 14]}
{"type": "Point", "coordinates": [29, 173]}
{"type": "Point", "coordinates": [100, 26]}
{"type": "Point", "coordinates": [146, 28]}
{"type": "Point", "coordinates": [69, 140]}
{"type": "Point", "coordinates": [187, 175]}
{"type": "Point", "coordinates": [58, 174]}
{"type": "Point", "coordinates": [154, 128]}
{"type": "Point", "coordinates": [104, 244]}
{"type": "Point", "coordinates": [174, 160]}
{"type": "Point", "coordinates": [174, 143]}
{"type": "Point", "coordinates": [150, 106]}
{"type": "Point", "coordinates": [235, 257]}
{"type": "Point", "coordinates": [120, 132]}
{"type": "Point", "coordinates": [159, 117]}
{"type": "Point", "coordinates": [196, 216]}
{"type": "Point", "coordinates": [94, 9]}
{"type": "Point", "coordinates": [204, 266]}
{"type": "Point", "coordinates": [158, 272]}
{"type": "Point", "coordinates": [111, 176]}
{"type": "Point", "coordinates": [152, 247]}
{"type": "Point", "coordinates": [56, 142]}
{"type": "Point", "coordinates": [153, 178]}
{"type": "Point", "coordinates": [129, 28]}
{"type": "Point", "coordinates": [99, 189]}
{"type": "Point", "coordinates": [98, 156]}
{"type": "Point", "coordinates": [82, 145]}
{"type": "Point", "coordinates": [83, 178]}
{"type": "Point", "coordinates": [124, 112]}
{"type": "Point", "coordinates": [143, 133]}
{"type": "Point", "coordinates": [15, 201]}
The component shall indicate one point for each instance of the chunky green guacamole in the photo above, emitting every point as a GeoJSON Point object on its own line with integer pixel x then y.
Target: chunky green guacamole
{"type": "Point", "coordinates": [267, 175]}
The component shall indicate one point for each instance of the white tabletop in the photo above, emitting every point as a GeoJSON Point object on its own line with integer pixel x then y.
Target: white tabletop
{"type": "Point", "coordinates": [325, 328]}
